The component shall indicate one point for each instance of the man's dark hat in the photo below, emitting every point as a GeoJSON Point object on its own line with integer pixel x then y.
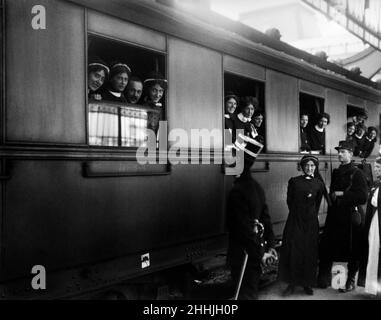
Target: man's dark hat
{"type": "Point", "coordinates": [156, 77]}
{"type": "Point", "coordinates": [345, 145]}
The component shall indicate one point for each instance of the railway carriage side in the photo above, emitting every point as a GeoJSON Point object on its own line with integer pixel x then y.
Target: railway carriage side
{"type": "Point", "coordinates": [287, 96]}
{"type": "Point", "coordinates": [75, 199]}
{"type": "Point", "coordinates": [88, 211]}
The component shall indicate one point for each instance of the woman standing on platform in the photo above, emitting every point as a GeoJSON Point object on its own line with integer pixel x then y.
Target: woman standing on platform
{"type": "Point", "coordinates": [299, 253]}
{"type": "Point", "coordinates": [370, 265]}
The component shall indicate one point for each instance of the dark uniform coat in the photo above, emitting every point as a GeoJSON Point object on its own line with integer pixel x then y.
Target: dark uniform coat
{"type": "Point", "coordinates": [341, 238]}
{"type": "Point", "coordinates": [246, 202]}
{"type": "Point", "coordinates": [299, 252]}
{"type": "Point", "coordinates": [370, 211]}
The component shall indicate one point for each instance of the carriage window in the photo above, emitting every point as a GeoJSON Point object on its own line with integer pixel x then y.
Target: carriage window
{"type": "Point", "coordinates": [126, 93]}
{"type": "Point", "coordinates": [312, 123]}
{"type": "Point", "coordinates": [244, 107]}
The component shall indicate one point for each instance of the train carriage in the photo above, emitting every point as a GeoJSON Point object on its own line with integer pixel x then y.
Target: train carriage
{"type": "Point", "coordinates": [88, 211]}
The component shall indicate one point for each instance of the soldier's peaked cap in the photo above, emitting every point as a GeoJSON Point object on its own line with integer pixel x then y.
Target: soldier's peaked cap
{"type": "Point", "coordinates": [345, 145]}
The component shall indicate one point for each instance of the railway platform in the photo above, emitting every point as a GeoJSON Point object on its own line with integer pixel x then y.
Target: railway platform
{"type": "Point", "coordinates": [217, 286]}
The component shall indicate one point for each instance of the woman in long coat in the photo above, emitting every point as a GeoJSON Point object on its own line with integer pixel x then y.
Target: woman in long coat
{"type": "Point", "coordinates": [299, 253]}
{"type": "Point", "coordinates": [370, 265]}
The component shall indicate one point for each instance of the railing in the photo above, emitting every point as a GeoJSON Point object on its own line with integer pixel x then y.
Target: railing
{"type": "Point", "coordinates": [118, 125]}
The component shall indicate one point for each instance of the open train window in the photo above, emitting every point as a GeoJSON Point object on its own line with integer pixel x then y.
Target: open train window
{"type": "Point", "coordinates": [126, 93]}
{"type": "Point", "coordinates": [312, 124]}
{"type": "Point", "coordinates": [249, 111]}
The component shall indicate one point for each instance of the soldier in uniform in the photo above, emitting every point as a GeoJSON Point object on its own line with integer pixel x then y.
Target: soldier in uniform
{"type": "Point", "coordinates": [342, 233]}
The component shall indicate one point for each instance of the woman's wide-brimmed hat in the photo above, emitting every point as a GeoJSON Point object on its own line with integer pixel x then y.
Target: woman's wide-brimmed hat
{"type": "Point", "coordinates": [307, 158]}
{"type": "Point", "coordinates": [97, 63]}
{"type": "Point", "coordinates": [230, 94]}
{"type": "Point", "coordinates": [155, 77]}
{"type": "Point", "coordinates": [324, 115]}
{"type": "Point", "coordinates": [119, 67]}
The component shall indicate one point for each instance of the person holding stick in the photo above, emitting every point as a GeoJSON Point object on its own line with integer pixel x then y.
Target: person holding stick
{"type": "Point", "coordinates": [250, 233]}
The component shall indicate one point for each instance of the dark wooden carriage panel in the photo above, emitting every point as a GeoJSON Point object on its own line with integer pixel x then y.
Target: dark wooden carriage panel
{"type": "Point", "coordinates": [57, 218]}
{"type": "Point", "coordinates": [281, 112]}
{"type": "Point", "coordinates": [311, 88]}
{"type": "Point", "coordinates": [195, 92]}
{"type": "Point", "coordinates": [355, 101]}
{"type": "Point", "coordinates": [244, 68]}
{"type": "Point", "coordinates": [336, 107]}
{"type": "Point", "coordinates": [122, 30]}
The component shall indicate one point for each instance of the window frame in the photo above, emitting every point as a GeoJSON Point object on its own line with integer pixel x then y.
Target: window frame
{"type": "Point", "coordinates": [253, 79]}
{"type": "Point", "coordinates": [138, 46]}
{"type": "Point", "coordinates": [314, 95]}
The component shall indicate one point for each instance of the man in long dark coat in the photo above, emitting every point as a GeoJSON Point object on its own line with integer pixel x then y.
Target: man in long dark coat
{"type": "Point", "coordinates": [341, 237]}
{"type": "Point", "coordinates": [246, 206]}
